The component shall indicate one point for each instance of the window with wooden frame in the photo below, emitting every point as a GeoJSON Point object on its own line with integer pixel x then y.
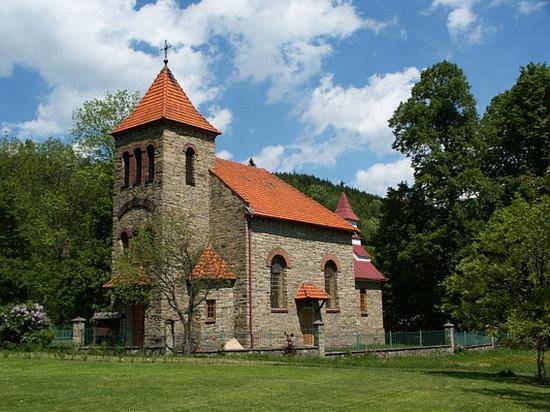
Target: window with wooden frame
{"type": "Point", "coordinates": [331, 286]}
{"type": "Point", "coordinates": [363, 301]}
{"type": "Point", "coordinates": [277, 281]}
{"type": "Point", "coordinates": [210, 311]}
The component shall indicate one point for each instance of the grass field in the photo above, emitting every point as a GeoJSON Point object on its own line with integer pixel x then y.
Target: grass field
{"type": "Point", "coordinates": [464, 382]}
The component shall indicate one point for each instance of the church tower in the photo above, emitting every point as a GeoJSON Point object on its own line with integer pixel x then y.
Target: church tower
{"type": "Point", "coordinates": [164, 151]}
{"type": "Point", "coordinates": [163, 154]}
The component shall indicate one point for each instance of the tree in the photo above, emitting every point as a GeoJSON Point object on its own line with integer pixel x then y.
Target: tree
{"type": "Point", "coordinates": [164, 263]}
{"type": "Point", "coordinates": [424, 228]}
{"type": "Point", "coordinates": [516, 130]}
{"type": "Point", "coordinates": [95, 118]}
{"type": "Point", "coordinates": [55, 210]}
{"type": "Point", "coordinates": [504, 281]}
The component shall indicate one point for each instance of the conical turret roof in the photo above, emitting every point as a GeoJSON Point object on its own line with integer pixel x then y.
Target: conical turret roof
{"type": "Point", "coordinates": [165, 99]}
{"type": "Point", "coordinates": [344, 210]}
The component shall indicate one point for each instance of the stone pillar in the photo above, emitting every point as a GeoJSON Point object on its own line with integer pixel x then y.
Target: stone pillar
{"type": "Point", "coordinates": [450, 335]}
{"type": "Point", "coordinates": [319, 337]}
{"type": "Point", "coordinates": [169, 336]}
{"type": "Point", "coordinates": [79, 331]}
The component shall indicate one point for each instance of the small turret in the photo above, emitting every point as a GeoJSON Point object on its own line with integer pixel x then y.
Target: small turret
{"type": "Point", "coordinates": [344, 210]}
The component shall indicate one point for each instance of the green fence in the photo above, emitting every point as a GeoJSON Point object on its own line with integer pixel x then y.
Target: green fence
{"type": "Point", "coordinates": [62, 334]}
{"type": "Point", "coordinates": [402, 339]}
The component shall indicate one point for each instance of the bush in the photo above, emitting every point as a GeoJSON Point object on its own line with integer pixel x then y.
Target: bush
{"type": "Point", "coordinates": [25, 324]}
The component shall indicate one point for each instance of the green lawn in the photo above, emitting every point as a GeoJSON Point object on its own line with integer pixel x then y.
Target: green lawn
{"type": "Point", "coordinates": [462, 382]}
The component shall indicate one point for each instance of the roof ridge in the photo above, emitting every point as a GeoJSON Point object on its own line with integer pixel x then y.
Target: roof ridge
{"type": "Point", "coordinates": [281, 181]}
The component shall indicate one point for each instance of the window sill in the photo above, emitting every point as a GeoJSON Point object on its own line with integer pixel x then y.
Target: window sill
{"type": "Point", "coordinates": [279, 310]}
{"type": "Point", "coordinates": [333, 310]}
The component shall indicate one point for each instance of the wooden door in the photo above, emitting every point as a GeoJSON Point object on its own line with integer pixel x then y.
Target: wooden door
{"type": "Point", "coordinates": [138, 325]}
{"type": "Point", "coordinates": [306, 324]}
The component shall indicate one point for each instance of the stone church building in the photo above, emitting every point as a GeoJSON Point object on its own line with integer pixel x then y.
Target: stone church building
{"type": "Point", "coordinates": [290, 261]}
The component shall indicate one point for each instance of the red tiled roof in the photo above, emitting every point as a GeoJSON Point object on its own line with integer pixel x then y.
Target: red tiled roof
{"type": "Point", "coordinates": [268, 196]}
{"type": "Point", "coordinates": [365, 270]}
{"type": "Point", "coordinates": [310, 291]}
{"type": "Point", "coordinates": [344, 210]}
{"type": "Point", "coordinates": [165, 99]}
{"type": "Point", "coordinates": [360, 251]}
{"type": "Point", "coordinates": [211, 266]}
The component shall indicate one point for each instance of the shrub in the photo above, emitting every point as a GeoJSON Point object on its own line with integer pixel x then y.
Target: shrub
{"type": "Point", "coordinates": [25, 324]}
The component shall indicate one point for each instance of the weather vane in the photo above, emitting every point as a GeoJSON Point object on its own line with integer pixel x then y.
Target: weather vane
{"type": "Point", "coordinates": [165, 50]}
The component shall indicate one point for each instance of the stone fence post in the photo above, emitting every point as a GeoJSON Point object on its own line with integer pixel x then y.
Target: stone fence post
{"type": "Point", "coordinates": [319, 336]}
{"type": "Point", "coordinates": [79, 331]}
{"type": "Point", "coordinates": [450, 335]}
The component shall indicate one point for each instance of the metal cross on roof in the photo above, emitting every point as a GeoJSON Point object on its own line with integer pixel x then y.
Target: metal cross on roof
{"type": "Point", "coordinates": [165, 50]}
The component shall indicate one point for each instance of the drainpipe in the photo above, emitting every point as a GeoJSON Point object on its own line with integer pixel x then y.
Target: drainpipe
{"type": "Point", "coordinates": [249, 234]}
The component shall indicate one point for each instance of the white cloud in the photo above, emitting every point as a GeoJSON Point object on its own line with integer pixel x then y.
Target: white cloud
{"type": "Point", "coordinates": [528, 7]}
{"type": "Point", "coordinates": [220, 118]}
{"type": "Point", "coordinates": [270, 157]}
{"type": "Point", "coordinates": [378, 177]}
{"type": "Point", "coordinates": [83, 49]}
{"type": "Point", "coordinates": [463, 23]}
{"type": "Point", "coordinates": [340, 120]}
{"type": "Point", "coordinates": [225, 154]}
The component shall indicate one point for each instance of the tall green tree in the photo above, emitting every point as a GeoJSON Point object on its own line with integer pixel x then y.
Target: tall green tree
{"type": "Point", "coordinates": [55, 207]}
{"type": "Point", "coordinates": [516, 131]}
{"type": "Point", "coordinates": [437, 127]}
{"type": "Point", "coordinates": [504, 280]}
{"type": "Point", "coordinates": [95, 118]}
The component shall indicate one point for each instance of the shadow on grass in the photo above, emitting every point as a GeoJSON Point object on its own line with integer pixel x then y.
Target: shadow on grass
{"type": "Point", "coordinates": [531, 399]}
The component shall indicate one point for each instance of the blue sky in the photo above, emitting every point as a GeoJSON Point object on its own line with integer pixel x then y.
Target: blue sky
{"type": "Point", "coordinates": [304, 85]}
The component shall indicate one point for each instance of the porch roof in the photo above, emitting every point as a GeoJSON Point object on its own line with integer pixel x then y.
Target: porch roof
{"type": "Point", "coordinates": [310, 291]}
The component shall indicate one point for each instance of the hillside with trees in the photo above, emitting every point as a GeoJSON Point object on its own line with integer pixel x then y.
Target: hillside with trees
{"type": "Point", "coordinates": [366, 206]}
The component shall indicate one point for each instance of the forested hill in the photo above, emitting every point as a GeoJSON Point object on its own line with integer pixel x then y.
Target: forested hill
{"type": "Point", "coordinates": [365, 205]}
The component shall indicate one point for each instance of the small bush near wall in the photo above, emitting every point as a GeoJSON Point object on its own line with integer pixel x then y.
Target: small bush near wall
{"type": "Point", "coordinates": [25, 324]}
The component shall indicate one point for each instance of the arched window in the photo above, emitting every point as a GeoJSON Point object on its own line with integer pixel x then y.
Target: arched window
{"type": "Point", "coordinates": [124, 240]}
{"type": "Point", "coordinates": [126, 161]}
{"type": "Point", "coordinates": [137, 155]}
{"type": "Point", "coordinates": [190, 166]}
{"type": "Point", "coordinates": [150, 163]}
{"type": "Point", "coordinates": [278, 295]}
{"type": "Point", "coordinates": [331, 284]}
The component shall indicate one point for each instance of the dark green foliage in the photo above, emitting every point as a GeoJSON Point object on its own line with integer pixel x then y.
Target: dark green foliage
{"type": "Point", "coordinates": [425, 227]}
{"type": "Point", "coordinates": [366, 206]}
{"type": "Point", "coordinates": [504, 280]}
{"type": "Point", "coordinates": [55, 208]}
{"type": "Point", "coordinates": [516, 129]}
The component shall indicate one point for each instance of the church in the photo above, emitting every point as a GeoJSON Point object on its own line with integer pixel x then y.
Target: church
{"type": "Point", "coordinates": [290, 261]}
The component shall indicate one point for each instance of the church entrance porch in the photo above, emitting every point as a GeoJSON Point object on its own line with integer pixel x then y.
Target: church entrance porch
{"type": "Point", "coordinates": [309, 301]}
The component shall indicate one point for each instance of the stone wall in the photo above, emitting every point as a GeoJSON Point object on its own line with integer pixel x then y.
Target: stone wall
{"type": "Point", "coordinates": [306, 246]}
{"type": "Point", "coordinates": [228, 234]}
{"type": "Point", "coordinates": [372, 323]}
{"type": "Point", "coordinates": [134, 204]}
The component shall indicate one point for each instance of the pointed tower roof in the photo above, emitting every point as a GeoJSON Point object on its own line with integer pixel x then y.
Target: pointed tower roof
{"type": "Point", "coordinates": [165, 99]}
{"type": "Point", "coordinates": [344, 210]}
{"type": "Point", "coordinates": [211, 266]}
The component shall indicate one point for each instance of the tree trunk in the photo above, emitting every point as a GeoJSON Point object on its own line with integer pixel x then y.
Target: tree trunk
{"type": "Point", "coordinates": [541, 371]}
